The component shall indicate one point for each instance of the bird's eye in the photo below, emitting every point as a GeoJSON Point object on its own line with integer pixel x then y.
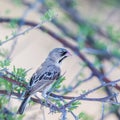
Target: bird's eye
{"type": "Point", "coordinates": [63, 53]}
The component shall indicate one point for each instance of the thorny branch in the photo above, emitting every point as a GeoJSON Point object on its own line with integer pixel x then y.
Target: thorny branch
{"type": "Point", "coordinates": [75, 49]}
{"type": "Point", "coordinates": [79, 20]}
{"type": "Point", "coordinates": [25, 14]}
{"type": "Point", "coordinates": [90, 41]}
{"type": "Point", "coordinates": [73, 99]}
{"type": "Point", "coordinates": [23, 32]}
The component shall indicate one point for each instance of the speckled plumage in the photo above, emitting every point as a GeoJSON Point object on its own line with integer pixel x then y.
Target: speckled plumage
{"type": "Point", "coordinates": [42, 79]}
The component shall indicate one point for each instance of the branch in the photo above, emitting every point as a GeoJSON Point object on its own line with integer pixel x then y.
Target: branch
{"type": "Point", "coordinates": [103, 111]}
{"type": "Point", "coordinates": [25, 31]}
{"type": "Point", "coordinates": [90, 41]}
{"type": "Point", "coordinates": [24, 15]}
{"type": "Point", "coordinates": [73, 99]}
{"type": "Point", "coordinates": [78, 19]}
{"type": "Point", "coordinates": [5, 92]}
{"type": "Point", "coordinates": [97, 73]}
{"type": "Point", "coordinates": [81, 97]}
{"type": "Point", "coordinates": [13, 81]}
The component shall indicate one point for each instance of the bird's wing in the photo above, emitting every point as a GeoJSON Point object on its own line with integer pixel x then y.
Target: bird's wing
{"type": "Point", "coordinates": [43, 77]}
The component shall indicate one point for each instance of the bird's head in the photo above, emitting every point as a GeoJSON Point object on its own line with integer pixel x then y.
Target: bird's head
{"type": "Point", "coordinates": [59, 54]}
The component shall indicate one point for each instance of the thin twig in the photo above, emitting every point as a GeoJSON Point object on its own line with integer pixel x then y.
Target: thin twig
{"type": "Point", "coordinates": [75, 117]}
{"type": "Point", "coordinates": [98, 74]}
{"type": "Point", "coordinates": [103, 110]}
{"type": "Point", "coordinates": [25, 31]}
{"type": "Point", "coordinates": [64, 114]}
{"type": "Point", "coordinates": [25, 14]}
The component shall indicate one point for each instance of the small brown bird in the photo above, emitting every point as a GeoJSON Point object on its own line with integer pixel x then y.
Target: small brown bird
{"type": "Point", "coordinates": [42, 79]}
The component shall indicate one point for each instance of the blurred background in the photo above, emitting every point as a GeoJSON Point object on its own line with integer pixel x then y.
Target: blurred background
{"type": "Point", "coordinates": [89, 29]}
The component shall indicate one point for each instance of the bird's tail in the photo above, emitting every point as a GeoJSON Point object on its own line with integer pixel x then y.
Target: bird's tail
{"type": "Point", "coordinates": [23, 105]}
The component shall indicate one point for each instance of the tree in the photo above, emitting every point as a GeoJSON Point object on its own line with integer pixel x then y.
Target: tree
{"type": "Point", "coordinates": [95, 46]}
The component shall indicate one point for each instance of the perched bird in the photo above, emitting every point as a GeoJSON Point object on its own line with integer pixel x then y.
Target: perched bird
{"type": "Point", "coordinates": [42, 79]}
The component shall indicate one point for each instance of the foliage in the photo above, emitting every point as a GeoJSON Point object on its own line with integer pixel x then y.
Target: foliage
{"type": "Point", "coordinates": [99, 40]}
{"type": "Point", "coordinates": [57, 83]}
{"type": "Point", "coordinates": [84, 116]}
{"type": "Point", "coordinates": [48, 15]}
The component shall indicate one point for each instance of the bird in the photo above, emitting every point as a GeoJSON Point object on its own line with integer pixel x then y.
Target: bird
{"type": "Point", "coordinates": [45, 76]}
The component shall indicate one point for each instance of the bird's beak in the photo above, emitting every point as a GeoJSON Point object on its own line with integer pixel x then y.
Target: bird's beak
{"type": "Point", "coordinates": [68, 54]}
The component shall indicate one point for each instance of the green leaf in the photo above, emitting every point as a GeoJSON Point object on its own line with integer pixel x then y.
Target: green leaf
{"type": "Point", "coordinates": [100, 45]}
{"type": "Point", "coordinates": [113, 33]}
{"type": "Point", "coordinates": [57, 83]}
{"type": "Point", "coordinates": [20, 117]}
{"type": "Point", "coordinates": [84, 116]}
{"type": "Point", "coordinates": [86, 30]}
{"type": "Point", "coordinates": [81, 115]}
{"type": "Point", "coordinates": [4, 63]}
{"type": "Point", "coordinates": [116, 53]}
{"type": "Point", "coordinates": [114, 108]}
{"type": "Point", "coordinates": [19, 73]}
{"type": "Point", "coordinates": [81, 44]}
{"type": "Point", "coordinates": [97, 63]}
{"type": "Point", "coordinates": [58, 103]}
{"type": "Point", "coordinates": [4, 84]}
{"type": "Point", "coordinates": [48, 15]}
{"type": "Point", "coordinates": [3, 101]}
{"type": "Point", "coordinates": [13, 23]}
{"type": "Point", "coordinates": [2, 116]}
{"type": "Point", "coordinates": [74, 105]}
{"type": "Point", "coordinates": [50, 4]}
{"type": "Point", "coordinates": [17, 2]}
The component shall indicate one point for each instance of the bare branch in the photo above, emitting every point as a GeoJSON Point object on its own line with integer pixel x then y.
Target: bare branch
{"type": "Point", "coordinates": [25, 31]}
{"type": "Point", "coordinates": [103, 110]}
{"type": "Point", "coordinates": [13, 81]}
{"type": "Point", "coordinates": [97, 73]}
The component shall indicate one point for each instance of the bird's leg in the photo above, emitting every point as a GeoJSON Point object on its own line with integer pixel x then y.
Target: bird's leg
{"type": "Point", "coordinates": [46, 95]}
